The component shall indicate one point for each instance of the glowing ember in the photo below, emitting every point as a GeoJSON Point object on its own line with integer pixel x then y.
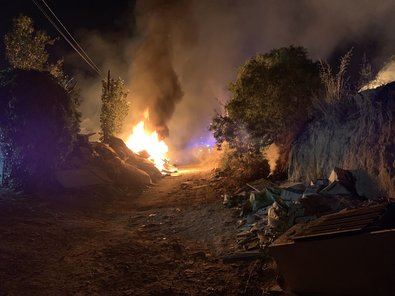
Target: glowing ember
{"type": "Point", "coordinates": [143, 140]}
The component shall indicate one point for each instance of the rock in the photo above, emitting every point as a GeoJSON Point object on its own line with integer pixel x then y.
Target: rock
{"type": "Point", "coordinates": [310, 191]}
{"type": "Point", "coordinates": [261, 199]}
{"type": "Point", "coordinates": [76, 178]}
{"type": "Point", "coordinates": [290, 195]}
{"type": "Point", "coordinates": [344, 177]}
{"type": "Point", "coordinates": [335, 188]}
{"type": "Point", "coordinates": [319, 183]}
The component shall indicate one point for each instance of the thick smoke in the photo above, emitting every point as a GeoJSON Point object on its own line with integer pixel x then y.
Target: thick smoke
{"type": "Point", "coordinates": [185, 53]}
{"type": "Point", "coordinates": [162, 25]}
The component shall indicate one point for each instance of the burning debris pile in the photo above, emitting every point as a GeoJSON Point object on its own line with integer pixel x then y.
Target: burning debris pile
{"type": "Point", "coordinates": [149, 145]}
{"type": "Point", "coordinates": [97, 163]}
{"type": "Point", "coordinates": [266, 210]}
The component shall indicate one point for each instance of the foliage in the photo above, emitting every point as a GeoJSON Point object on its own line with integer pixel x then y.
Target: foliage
{"type": "Point", "coordinates": [38, 126]}
{"type": "Point", "coordinates": [270, 102]}
{"type": "Point", "coordinates": [273, 92]}
{"type": "Point", "coordinates": [335, 85]}
{"type": "Point", "coordinates": [26, 47]}
{"type": "Point", "coordinates": [338, 90]}
{"type": "Point", "coordinates": [230, 131]}
{"type": "Point", "coordinates": [243, 167]}
{"type": "Point", "coordinates": [114, 107]}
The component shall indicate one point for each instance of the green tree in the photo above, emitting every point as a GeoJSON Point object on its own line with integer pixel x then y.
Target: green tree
{"type": "Point", "coordinates": [26, 48]}
{"type": "Point", "coordinates": [114, 108]}
{"type": "Point", "coordinates": [270, 103]}
{"type": "Point", "coordinates": [273, 92]}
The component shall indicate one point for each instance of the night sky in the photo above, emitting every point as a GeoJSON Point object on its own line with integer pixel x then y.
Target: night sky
{"type": "Point", "coordinates": [103, 16]}
{"type": "Point", "coordinates": [114, 17]}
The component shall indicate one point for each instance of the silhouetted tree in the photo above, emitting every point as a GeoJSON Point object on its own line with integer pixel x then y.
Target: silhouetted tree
{"type": "Point", "coordinates": [114, 106]}
{"type": "Point", "coordinates": [26, 48]}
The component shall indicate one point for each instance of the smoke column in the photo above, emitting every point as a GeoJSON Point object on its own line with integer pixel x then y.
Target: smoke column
{"type": "Point", "coordinates": [184, 54]}
{"type": "Point", "coordinates": [161, 25]}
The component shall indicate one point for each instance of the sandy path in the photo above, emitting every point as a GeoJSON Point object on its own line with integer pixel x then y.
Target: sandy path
{"type": "Point", "coordinates": [169, 240]}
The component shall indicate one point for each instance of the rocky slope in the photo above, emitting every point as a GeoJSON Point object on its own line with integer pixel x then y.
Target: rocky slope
{"type": "Point", "coordinates": [357, 135]}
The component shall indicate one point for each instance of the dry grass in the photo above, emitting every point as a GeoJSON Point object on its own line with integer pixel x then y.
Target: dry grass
{"type": "Point", "coordinates": [336, 87]}
{"type": "Point", "coordinates": [356, 133]}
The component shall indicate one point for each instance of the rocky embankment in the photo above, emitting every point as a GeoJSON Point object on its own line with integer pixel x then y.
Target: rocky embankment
{"type": "Point", "coordinates": [356, 135]}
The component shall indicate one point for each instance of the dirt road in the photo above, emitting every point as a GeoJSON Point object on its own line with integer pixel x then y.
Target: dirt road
{"type": "Point", "coordinates": [167, 240]}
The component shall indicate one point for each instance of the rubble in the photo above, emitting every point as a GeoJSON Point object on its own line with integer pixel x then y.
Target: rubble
{"type": "Point", "coordinates": [268, 210]}
{"type": "Point", "coordinates": [97, 163]}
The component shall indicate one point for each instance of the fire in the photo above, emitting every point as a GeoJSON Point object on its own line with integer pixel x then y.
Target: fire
{"type": "Point", "coordinates": [143, 140]}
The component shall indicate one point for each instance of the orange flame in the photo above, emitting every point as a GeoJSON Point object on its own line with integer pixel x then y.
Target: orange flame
{"type": "Point", "coordinates": [143, 140]}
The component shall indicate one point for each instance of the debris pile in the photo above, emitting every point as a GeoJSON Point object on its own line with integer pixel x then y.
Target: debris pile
{"type": "Point", "coordinates": [267, 210]}
{"type": "Point", "coordinates": [97, 163]}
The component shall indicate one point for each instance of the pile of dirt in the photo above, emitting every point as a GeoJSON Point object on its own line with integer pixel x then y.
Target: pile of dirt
{"type": "Point", "coordinates": [357, 135]}
{"type": "Point", "coordinates": [98, 163]}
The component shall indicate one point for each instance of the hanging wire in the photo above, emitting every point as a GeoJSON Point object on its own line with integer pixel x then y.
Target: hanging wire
{"type": "Point", "coordinates": [85, 58]}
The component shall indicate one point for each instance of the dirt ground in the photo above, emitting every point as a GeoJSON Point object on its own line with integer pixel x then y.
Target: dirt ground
{"type": "Point", "coordinates": [166, 240]}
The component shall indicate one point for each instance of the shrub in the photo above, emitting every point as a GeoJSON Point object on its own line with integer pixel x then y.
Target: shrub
{"type": "Point", "coordinates": [273, 92]}
{"type": "Point", "coordinates": [38, 126]}
{"type": "Point", "coordinates": [243, 167]}
{"type": "Point", "coordinates": [270, 102]}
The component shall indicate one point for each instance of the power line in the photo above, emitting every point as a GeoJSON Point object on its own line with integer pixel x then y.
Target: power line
{"type": "Point", "coordinates": [97, 70]}
{"type": "Point", "coordinates": [71, 36]}
{"type": "Point", "coordinates": [65, 37]}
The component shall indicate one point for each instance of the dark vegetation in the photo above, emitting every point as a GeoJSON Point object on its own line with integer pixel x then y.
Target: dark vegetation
{"type": "Point", "coordinates": [273, 98]}
{"type": "Point", "coordinates": [115, 108]}
{"type": "Point", "coordinates": [39, 116]}
{"type": "Point", "coordinates": [270, 103]}
{"type": "Point", "coordinates": [39, 125]}
{"type": "Point", "coordinates": [39, 120]}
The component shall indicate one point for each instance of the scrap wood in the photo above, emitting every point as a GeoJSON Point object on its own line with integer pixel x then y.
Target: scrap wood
{"type": "Point", "coordinates": [252, 187]}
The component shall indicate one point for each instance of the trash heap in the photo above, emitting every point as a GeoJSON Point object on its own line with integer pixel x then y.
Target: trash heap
{"type": "Point", "coordinates": [113, 163]}
{"type": "Point", "coordinates": [267, 210]}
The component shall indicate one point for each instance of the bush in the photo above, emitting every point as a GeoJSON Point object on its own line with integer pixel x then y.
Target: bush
{"type": "Point", "coordinates": [273, 92]}
{"type": "Point", "coordinates": [38, 126]}
{"type": "Point", "coordinates": [270, 102]}
{"type": "Point", "coordinates": [243, 167]}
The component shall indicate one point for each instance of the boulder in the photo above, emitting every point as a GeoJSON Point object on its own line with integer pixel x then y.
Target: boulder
{"type": "Point", "coordinates": [344, 177]}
